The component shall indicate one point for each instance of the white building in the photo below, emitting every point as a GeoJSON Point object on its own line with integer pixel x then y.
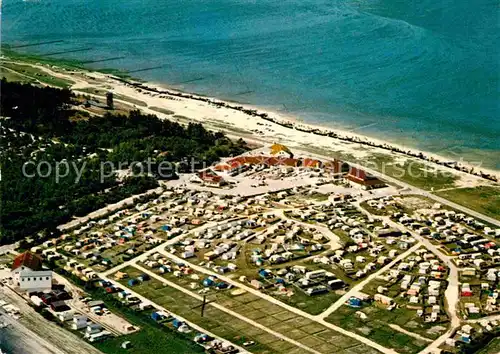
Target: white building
{"type": "Point", "coordinates": [28, 275]}
{"type": "Point", "coordinates": [79, 322]}
{"type": "Point", "coordinates": [35, 280]}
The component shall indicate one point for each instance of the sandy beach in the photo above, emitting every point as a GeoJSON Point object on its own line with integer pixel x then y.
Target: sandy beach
{"type": "Point", "coordinates": [261, 125]}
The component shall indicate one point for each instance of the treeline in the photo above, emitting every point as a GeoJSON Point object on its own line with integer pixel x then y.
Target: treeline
{"type": "Point", "coordinates": [38, 126]}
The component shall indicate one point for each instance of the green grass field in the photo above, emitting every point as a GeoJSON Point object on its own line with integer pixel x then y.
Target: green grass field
{"type": "Point", "coordinates": [310, 304]}
{"type": "Point", "coordinates": [94, 91]}
{"type": "Point", "coordinates": [412, 172]}
{"type": "Point", "coordinates": [162, 110]}
{"type": "Point", "coordinates": [484, 199]}
{"type": "Point", "coordinates": [12, 76]}
{"type": "Point", "coordinates": [493, 347]}
{"type": "Point", "coordinates": [252, 307]}
{"type": "Point", "coordinates": [214, 320]}
{"type": "Point", "coordinates": [27, 73]}
{"type": "Point", "coordinates": [376, 328]}
{"type": "Point", "coordinates": [130, 100]}
{"type": "Point", "coordinates": [165, 340]}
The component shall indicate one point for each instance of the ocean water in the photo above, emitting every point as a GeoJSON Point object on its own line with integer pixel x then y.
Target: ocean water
{"type": "Point", "coordinates": [424, 73]}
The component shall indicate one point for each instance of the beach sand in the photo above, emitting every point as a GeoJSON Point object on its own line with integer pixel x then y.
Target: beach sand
{"type": "Point", "coordinates": [238, 123]}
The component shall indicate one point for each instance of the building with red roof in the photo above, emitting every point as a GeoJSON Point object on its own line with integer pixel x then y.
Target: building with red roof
{"type": "Point", "coordinates": [359, 176]}
{"type": "Point", "coordinates": [336, 167]}
{"type": "Point", "coordinates": [208, 178]}
{"type": "Point", "coordinates": [28, 275]}
{"type": "Point", "coordinates": [241, 163]}
{"type": "Point", "coordinates": [232, 167]}
{"type": "Point", "coordinates": [282, 161]}
{"type": "Point", "coordinates": [311, 163]}
{"type": "Point", "coordinates": [27, 260]}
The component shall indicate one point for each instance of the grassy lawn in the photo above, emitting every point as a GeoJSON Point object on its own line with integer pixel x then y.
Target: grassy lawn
{"type": "Point", "coordinates": [314, 305]}
{"type": "Point", "coordinates": [483, 199]}
{"type": "Point", "coordinates": [39, 75]}
{"type": "Point", "coordinates": [412, 172]}
{"type": "Point", "coordinates": [130, 100]}
{"type": "Point", "coordinates": [493, 347]}
{"type": "Point", "coordinates": [249, 305]}
{"type": "Point", "coordinates": [162, 110]}
{"type": "Point", "coordinates": [94, 91]}
{"type": "Point", "coordinates": [376, 329]}
{"type": "Point", "coordinates": [165, 340]}
{"type": "Point", "coordinates": [214, 320]}
{"type": "Point", "coordinates": [12, 76]}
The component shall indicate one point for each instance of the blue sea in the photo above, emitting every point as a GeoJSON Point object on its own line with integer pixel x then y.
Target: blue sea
{"type": "Point", "coordinates": [424, 73]}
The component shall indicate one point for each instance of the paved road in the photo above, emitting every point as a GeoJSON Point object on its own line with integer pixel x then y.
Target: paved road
{"type": "Point", "coordinates": [7, 248]}
{"type": "Point", "coordinates": [103, 211]}
{"type": "Point", "coordinates": [408, 333]}
{"type": "Point", "coordinates": [22, 339]}
{"type": "Point", "coordinates": [335, 242]}
{"type": "Point", "coordinates": [47, 336]}
{"type": "Point", "coordinates": [161, 249]}
{"type": "Point", "coordinates": [358, 287]}
{"type": "Point", "coordinates": [409, 189]}
{"type": "Point", "coordinates": [451, 294]}
{"type": "Point", "coordinates": [224, 309]}
{"type": "Point", "coordinates": [156, 249]}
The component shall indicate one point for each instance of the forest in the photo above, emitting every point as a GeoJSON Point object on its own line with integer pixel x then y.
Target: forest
{"type": "Point", "coordinates": [38, 127]}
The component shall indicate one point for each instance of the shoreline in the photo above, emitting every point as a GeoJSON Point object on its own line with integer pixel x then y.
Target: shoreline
{"type": "Point", "coordinates": [291, 122]}
{"type": "Point", "coordinates": [288, 121]}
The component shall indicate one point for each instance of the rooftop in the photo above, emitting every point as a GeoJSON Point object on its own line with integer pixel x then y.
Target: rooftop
{"type": "Point", "coordinates": [277, 148]}
{"type": "Point", "coordinates": [28, 260]}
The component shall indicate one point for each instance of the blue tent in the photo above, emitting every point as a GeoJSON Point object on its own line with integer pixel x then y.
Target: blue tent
{"type": "Point", "coordinates": [263, 273]}
{"type": "Point", "coordinates": [177, 323]}
{"type": "Point", "coordinates": [132, 282]}
{"type": "Point", "coordinates": [354, 302]}
{"type": "Point", "coordinates": [166, 228]}
{"type": "Point", "coordinates": [156, 316]}
{"type": "Point", "coordinates": [221, 285]}
{"type": "Point", "coordinates": [208, 282]}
